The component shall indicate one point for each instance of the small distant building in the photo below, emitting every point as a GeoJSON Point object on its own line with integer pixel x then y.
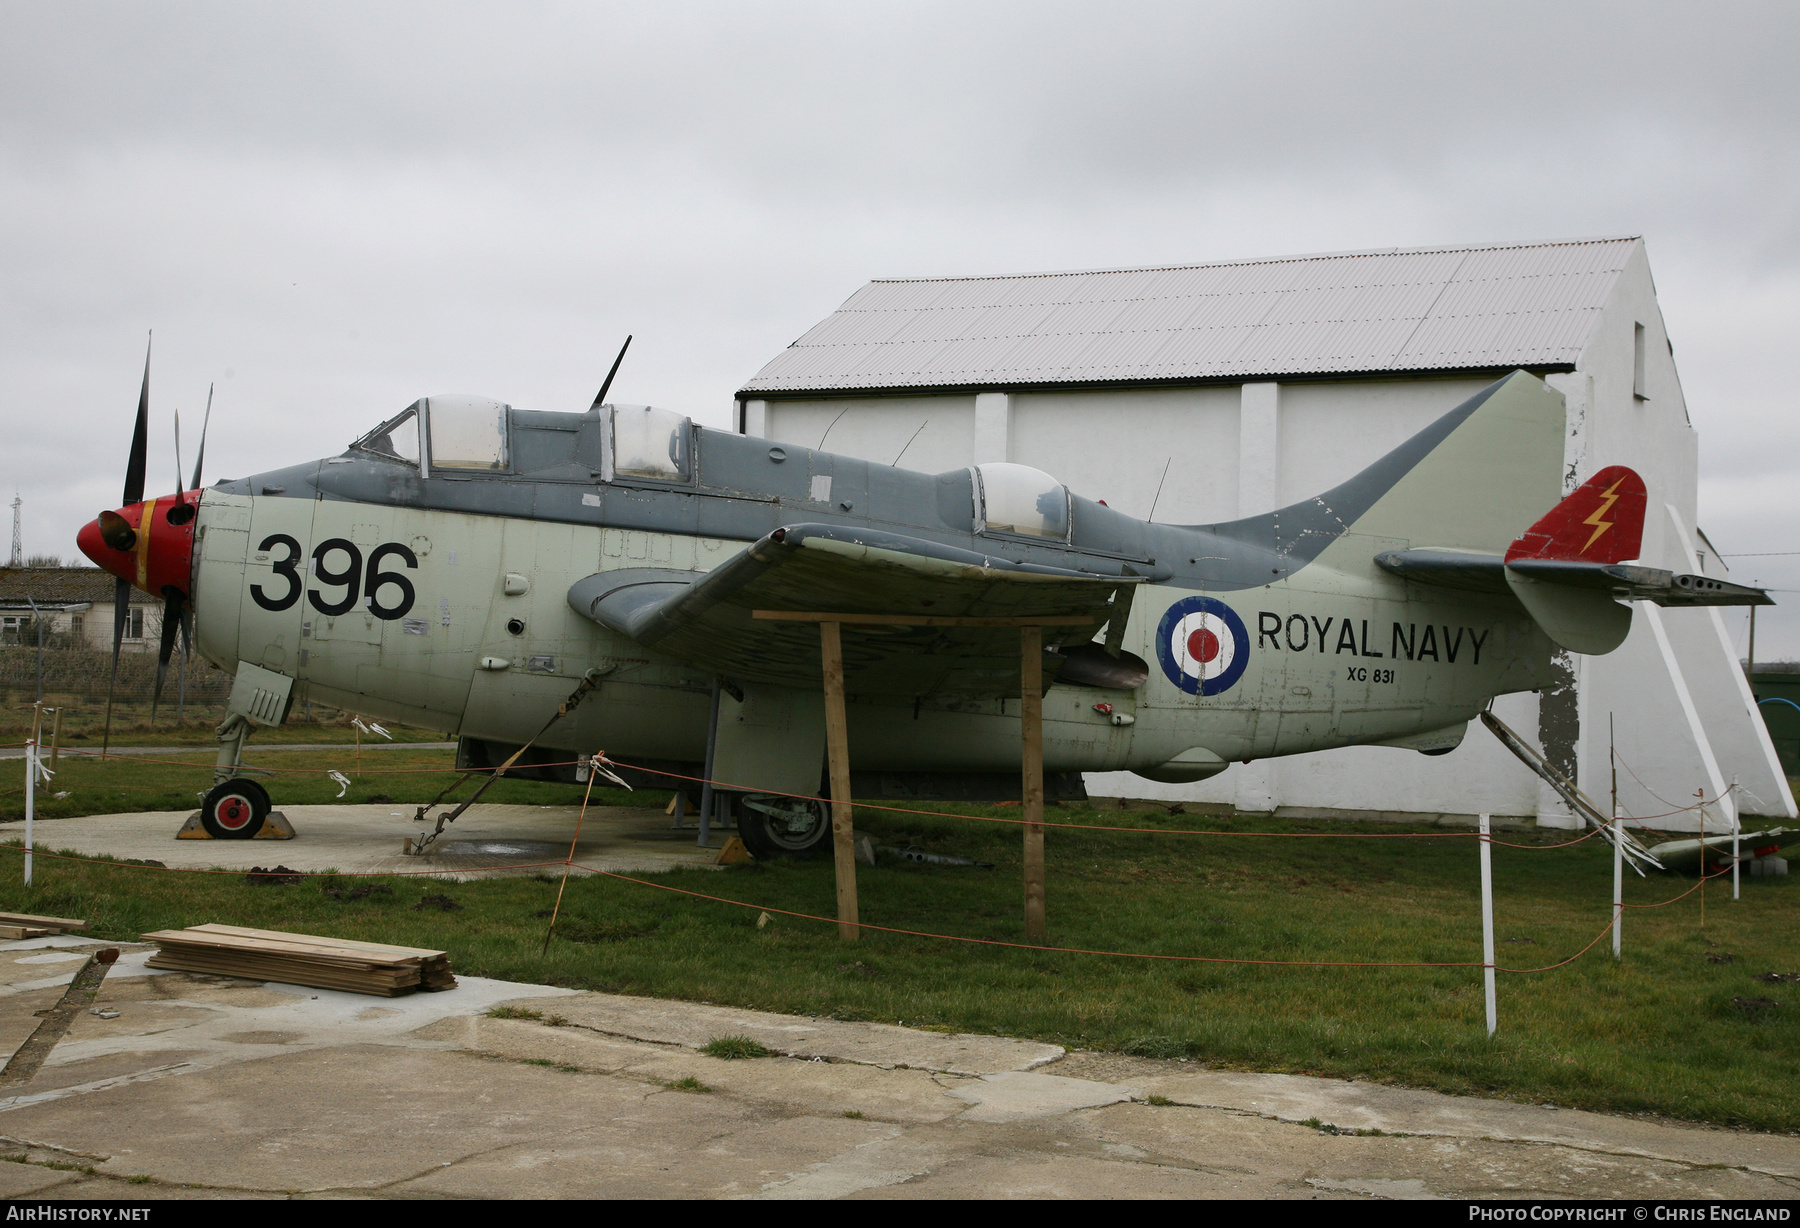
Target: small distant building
{"type": "Point", "coordinates": [1203, 393]}
{"type": "Point", "coordinates": [76, 604]}
{"type": "Point", "coordinates": [1778, 698]}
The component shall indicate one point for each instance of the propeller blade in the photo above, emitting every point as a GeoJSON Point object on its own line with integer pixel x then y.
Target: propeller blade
{"type": "Point", "coordinates": [121, 610]}
{"type": "Point", "coordinates": [599, 397]}
{"type": "Point", "coordinates": [140, 442]}
{"type": "Point", "coordinates": [200, 457]}
{"type": "Point", "coordinates": [171, 624]}
{"type": "Point", "coordinates": [179, 488]}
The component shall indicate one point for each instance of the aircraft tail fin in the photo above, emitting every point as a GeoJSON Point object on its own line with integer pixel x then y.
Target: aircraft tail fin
{"type": "Point", "coordinates": [1602, 522]}
{"type": "Point", "coordinates": [1474, 479]}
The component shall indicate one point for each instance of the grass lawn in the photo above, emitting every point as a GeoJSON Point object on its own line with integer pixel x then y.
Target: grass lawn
{"type": "Point", "coordinates": [84, 719]}
{"type": "Point", "coordinates": [1656, 1033]}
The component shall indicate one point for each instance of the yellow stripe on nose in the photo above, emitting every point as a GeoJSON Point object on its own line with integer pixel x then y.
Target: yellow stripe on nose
{"type": "Point", "coordinates": [143, 546]}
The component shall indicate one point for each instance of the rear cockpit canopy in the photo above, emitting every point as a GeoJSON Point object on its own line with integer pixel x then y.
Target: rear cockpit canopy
{"type": "Point", "coordinates": [1019, 501]}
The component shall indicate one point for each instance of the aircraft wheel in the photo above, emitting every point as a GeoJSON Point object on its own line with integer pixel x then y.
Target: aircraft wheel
{"type": "Point", "coordinates": [782, 827]}
{"type": "Point", "coordinates": [235, 810]}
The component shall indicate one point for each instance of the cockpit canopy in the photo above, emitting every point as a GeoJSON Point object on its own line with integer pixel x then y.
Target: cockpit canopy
{"type": "Point", "coordinates": [649, 443]}
{"type": "Point", "coordinates": [459, 432]}
{"type": "Point", "coordinates": [480, 434]}
{"type": "Point", "coordinates": [1021, 501]}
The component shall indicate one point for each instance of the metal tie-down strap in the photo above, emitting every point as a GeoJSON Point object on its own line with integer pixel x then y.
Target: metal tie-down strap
{"type": "Point", "coordinates": [589, 682]}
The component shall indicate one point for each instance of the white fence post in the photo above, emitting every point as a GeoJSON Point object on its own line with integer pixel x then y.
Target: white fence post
{"type": "Point", "coordinates": [1737, 834]}
{"type": "Point", "coordinates": [1487, 926]}
{"type": "Point", "coordinates": [31, 775]}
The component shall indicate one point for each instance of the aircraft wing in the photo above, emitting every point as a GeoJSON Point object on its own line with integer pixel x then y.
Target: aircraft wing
{"type": "Point", "coordinates": [706, 620]}
{"type": "Point", "coordinates": [1622, 581]}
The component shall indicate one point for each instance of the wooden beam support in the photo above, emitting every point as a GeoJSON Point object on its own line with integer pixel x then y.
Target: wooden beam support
{"type": "Point", "coordinates": [837, 744]}
{"type": "Point", "coordinates": [931, 620]}
{"type": "Point", "coordinates": [1031, 728]}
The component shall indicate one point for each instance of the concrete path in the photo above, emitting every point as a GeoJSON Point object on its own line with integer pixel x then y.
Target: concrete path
{"type": "Point", "coordinates": [488, 840]}
{"type": "Point", "coordinates": [208, 1087]}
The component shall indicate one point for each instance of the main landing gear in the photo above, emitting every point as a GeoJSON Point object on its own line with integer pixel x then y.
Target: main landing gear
{"type": "Point", "coordinates": [790, 828]}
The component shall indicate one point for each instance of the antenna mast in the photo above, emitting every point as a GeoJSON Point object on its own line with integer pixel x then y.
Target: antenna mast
{"type": "Point", "coordinates": [18, 549]}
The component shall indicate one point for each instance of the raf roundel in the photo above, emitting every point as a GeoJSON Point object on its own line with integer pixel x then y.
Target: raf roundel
{"type": "Point", "coordinates": [1202, 645]}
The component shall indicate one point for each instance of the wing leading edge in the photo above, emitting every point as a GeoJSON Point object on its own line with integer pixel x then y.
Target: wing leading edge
{"type": "Point", "coordinates": [706, 618]}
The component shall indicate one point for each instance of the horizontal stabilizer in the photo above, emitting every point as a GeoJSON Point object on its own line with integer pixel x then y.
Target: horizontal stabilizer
{"type": "Point", "coordinates": [1486, 573]}
{"type": "Point", "coordinates": [1569, 570]}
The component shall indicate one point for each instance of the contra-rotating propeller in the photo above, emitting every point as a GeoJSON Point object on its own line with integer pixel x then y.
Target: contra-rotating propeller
{"type": "Point", "coordinates": [148, 544]}
{"type": "Point", "coordinates": [117, 532]}
{"type": "Point", "coordinates": [178, 611]}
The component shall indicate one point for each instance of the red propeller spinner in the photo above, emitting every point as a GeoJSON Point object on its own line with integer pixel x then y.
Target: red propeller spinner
{"type": "Point", "coordinates": [149, 545]}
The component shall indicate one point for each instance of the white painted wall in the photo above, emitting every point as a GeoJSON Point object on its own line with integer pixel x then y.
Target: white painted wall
{"type": "Point", "coordinates": [930, 434]}
{"type": "Point", "coordinates": [1333, 431]}
{"type": "Point", "coordinates": [1114, 444]}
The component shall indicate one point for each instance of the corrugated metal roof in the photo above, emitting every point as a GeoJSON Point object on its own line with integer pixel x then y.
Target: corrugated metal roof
{"type": "Point", "coordinates": [1444, 308]}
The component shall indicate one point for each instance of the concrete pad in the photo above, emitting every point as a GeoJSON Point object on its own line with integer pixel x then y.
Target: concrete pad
{"type": "Point", "coordinates": [19, 1180]}
{"type": "Point", "coordinates": [1272, 1156]}
{"type": "Point", "coordinates": [874, 1044]}
{"type": "Point", "coordinates": [487, 841]}
{"type": "Point", "coordinates": [1014, 1096]}
{"type": "Point", "coordinates": [830, 1089]}
{"type": "Point", "coordinates": [1396, 1110]}
{"type": "Point", "coordinates": [878, 1165]}
{"type": "Point", "coordinates": [318, 1120]}
{"type": "Point", "coordinates": [811, 1086]}
{"type": "Point", "coordinates": [1060, 1177]}
{"type": "Point", "coordinates": [218, 1087]}
{"type": "Point", "coordinates": [525, 1040]}
{"type": "Point", "coordinates": [644, 1162]}
{"type": "Point", "coordinates": [85, 1188]}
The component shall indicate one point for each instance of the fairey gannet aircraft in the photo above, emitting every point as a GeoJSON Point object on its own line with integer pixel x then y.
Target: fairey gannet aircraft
{"type": "Point", "coordinates": [466, 564]}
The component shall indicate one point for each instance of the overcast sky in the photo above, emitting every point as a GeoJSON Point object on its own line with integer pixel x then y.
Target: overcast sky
{"type": "Point", "coordinates": [332, 209]}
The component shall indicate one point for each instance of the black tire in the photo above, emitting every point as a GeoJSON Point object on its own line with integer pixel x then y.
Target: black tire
{"type": "Point", "coordinates": [235, 810]}
{"type": "Point", "coordinates": [797, 833]}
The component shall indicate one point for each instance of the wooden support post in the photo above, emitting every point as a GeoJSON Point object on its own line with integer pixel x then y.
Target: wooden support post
{"type": "Point", "coordinates": [837, 744]}
{"type": "Point", "coordinates": [712, 748]}
{"type": "Point", "coordinates": [1031, 729]}
{"type": "Point", "coordinates": [56, 739]}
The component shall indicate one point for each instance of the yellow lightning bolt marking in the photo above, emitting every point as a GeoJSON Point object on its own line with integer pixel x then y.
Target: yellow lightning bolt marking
{"type": "Point", "coordinates": [1598, 519]}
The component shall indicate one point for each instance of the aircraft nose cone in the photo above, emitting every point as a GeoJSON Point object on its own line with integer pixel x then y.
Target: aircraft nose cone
{"type": "Point", "coordinates": [97, 538]}
{"type": "Point", "coordinates": [149, 544]}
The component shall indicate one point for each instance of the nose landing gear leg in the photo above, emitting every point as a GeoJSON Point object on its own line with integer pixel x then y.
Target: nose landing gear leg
{"type": "Point", "coordinates": [236, 807]}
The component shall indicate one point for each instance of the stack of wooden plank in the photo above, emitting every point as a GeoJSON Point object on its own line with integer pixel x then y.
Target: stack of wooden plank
{"type": "Point", "coordinates": [301, 959]}
{"type": "Point", "coordinates": [16, 925]}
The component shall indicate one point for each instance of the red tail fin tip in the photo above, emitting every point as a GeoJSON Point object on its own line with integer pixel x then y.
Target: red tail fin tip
{"type": "Point", "coordinates": [1602, 522]}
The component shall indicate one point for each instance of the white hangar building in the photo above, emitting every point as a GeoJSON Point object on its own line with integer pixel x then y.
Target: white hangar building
{"type": "Point", "coordinates": [1207, 393]}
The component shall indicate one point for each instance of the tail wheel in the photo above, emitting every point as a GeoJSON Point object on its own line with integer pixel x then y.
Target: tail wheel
{"type": "Point", "coordinates": [782, 827]}
{"type": "Point", "coordinates": [235, 810]}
